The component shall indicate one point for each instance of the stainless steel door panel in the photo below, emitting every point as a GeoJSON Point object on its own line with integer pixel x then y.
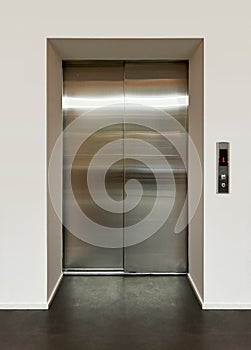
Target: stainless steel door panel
{"type": "Point", "coordinates": [89, 90]}
{"type": "Point", "coordinates": [154, 91]}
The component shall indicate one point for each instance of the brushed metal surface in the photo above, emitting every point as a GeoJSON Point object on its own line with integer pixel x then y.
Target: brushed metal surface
{"type": "Point", "coordinates": [156, 86]}
{"type": "Point", "coordinates": [89, 86]}
{"type": "Point", "coordinates": [137, 86]}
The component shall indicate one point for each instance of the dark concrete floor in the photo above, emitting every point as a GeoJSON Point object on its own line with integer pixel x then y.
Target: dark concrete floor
{"type": "Point", "coordinates": [106, 313]}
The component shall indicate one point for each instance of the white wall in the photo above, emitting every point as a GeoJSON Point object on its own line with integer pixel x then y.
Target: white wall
{"type": "Point", "coordinates": [54, 128]}
{"type": "Point", "coordinates": [196, 131]}
{"type": "Point", "coordinates": [226, 28]}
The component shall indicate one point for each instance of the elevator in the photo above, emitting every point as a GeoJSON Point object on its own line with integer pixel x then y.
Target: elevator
{"type": "Point", "coordinates": [122, 167]}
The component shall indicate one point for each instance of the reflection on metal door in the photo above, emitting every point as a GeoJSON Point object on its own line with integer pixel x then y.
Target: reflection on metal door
{"type": "Point", "coordinates": [118, 181]}
{"type": "Point", "coordinates": [155, 91]}
{"type": "Point", "coordinates": [87, 88]}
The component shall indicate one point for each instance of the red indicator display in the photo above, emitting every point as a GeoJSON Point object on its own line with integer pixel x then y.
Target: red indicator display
{"type": "Point", "coordinates": [223, 159]}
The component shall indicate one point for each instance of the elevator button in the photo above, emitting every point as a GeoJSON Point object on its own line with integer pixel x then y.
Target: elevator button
{"type": "Point", "coordinates": [223, 185]}
{"type": "Point", "coordinates": [223, 176]}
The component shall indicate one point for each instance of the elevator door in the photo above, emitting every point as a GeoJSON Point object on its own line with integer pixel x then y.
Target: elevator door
{"type": "Point", "coordinates": [93, 106]}
{"type": "Point", "coordinates": [155, 111]}
{"type": "Point", "coordinates": [127, 175]}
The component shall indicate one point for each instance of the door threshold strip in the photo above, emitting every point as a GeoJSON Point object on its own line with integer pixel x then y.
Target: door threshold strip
{"type": "Point", "coordinates": [121, 273]}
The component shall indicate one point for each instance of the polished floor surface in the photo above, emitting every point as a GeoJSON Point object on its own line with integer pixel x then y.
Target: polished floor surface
{"type": "Point", "coordinates": [106, 313]}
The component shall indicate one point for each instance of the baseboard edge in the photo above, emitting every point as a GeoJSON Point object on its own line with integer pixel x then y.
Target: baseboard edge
{"type": "Point", "coordinates": [196, 291]}
{"type": "Point", "coordinates": [226, 306]}
{"type": "Point", "coordinates": [54, 291]}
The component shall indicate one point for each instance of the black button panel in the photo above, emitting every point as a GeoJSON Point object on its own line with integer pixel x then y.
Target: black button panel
{"type": "Point", "coordinates": [223, 167]}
